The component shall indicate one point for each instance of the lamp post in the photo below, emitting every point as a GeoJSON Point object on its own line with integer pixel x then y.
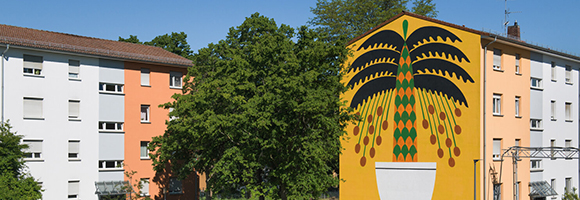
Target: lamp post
{"type": "Point", "coordinates": [475, 178]}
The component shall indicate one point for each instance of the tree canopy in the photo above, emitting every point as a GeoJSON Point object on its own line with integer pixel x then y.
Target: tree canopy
{"type": "Point", "coordinates": [352, 18]}
{"type": "Point", "coordinates": [15, 183]}
{"type": "Point", "coordinates": [175, 43]}
{"type": "Point", "coordinates": [260, 113]}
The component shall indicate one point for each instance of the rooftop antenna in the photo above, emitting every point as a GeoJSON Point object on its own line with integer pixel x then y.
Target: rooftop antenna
{"type": "Point", "coordinates": [507, 16]}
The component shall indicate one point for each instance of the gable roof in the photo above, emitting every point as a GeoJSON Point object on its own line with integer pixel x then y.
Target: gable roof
{"type": "Point", "coordinates": [482, 33]}
{"type": "Point", "coordinates": [27, 37]}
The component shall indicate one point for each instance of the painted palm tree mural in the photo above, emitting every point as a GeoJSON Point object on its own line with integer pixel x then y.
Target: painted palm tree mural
{"type": "Point", "coordinates": [408, 76]}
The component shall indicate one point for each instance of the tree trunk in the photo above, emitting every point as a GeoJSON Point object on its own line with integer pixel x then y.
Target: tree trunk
{"type": "Point", "coordinates": [282, 192]}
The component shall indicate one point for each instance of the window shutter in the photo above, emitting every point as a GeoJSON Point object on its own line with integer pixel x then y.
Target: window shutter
{"type": "Point", "coordinates": [144, 149]}
{"type": "Point", "coordinates": [73, 109]}
{"type": "Point", "coordinates": [32, 108]}
{"type": "Point", "coordinates": [145, 189]}
{"type": "Point", "coordinates": [33, 145]}
{"type": "Point", "coordinates": [34, 62]}
{"type": "Point", "coordinates": [73, 188]}
{"type": "Point", "coordinates": [497, 57]}
{"type": "Point", "coordinates": [497, 147]}
{"type": "Point", "coordinates": [144, 76]}
{"type": "Point", "coordinates": [73, 146]}
{"type": "Point", "coordinates": [73, 66]}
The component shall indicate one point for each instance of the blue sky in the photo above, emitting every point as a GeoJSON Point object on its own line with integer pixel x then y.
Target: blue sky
{"type": "Point", "coordinates": [552, 24]}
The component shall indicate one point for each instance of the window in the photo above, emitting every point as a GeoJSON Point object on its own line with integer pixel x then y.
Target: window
{"type": "Point", "coordinates": [496, 59]}
{"type": "Point", "coordinates": [73, 189]}
{"type": "Point", "coordinates": [536, 83]}
{"type": "Point", "coordinates": [34, 150]}
{"type": "Point", "coordinates": [568, 143]}
{"type": "Point", "coordinates": [145, 113]}
{"type": "Point", "coordinates": [496, 104]}
{"type": "Point", "coordinates": [535, 123]}
{"type": "Point", "coordinates": [145, 189]}
{"type": "Point", "coordinates": [111, 126]}
{"type": "Point", "coordinates": [74, 109]}
{"type": "Point", "coordinates": [174, 186]}
{"type": "Point", "coordinates": [110, 164]}
{"type": "Point", "coordinates": [517, 63]}
{"type": "Point", "coordinates": [109, 87]}
{"type": "Point", "coordinates": [175, 79]}
{"type": "Point", "coordinates": [145, 76]}
{"type": "Point", "coordinates": [74, 68]}
{"type": "Point", "coordinates": [568, 184]}
{"type": "Point", "coordinates": [496, 149]}
{"type": "Point", "coordinates": [536, 164]}
{"type": "Point", "coordinates": [517, 104]}
{"type": "Point", "coordinates": [517, 194]}
{"type": "Point", "coordinates": [170, 116]}
{"type": "Point", "coordinates": [568, 111]}
{"type": "Point", "coordinates": [73, 148]}
{"type": "Point", "coordinates": [552, 152]}
{"type": "Point", "coordinates": [553, 183]}
{"type": "Point", "coordinates": [553, 109]}
{"type": "Point", "coordinates": [144, 150]}
{"type": "Point", "coordinates": [32, 64]}
{"type": "Point", "coordinates": [518, 142]}
{"type": "Point", "coordinates": [32, 107]}
{"type": "Point", "coordinates": [553, 71]}
{"type": "Point", "coordinates": [569, 74]}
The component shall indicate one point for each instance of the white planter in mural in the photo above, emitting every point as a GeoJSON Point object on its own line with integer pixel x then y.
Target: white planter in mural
{"type": "Point", "coordinates": [405, 180]}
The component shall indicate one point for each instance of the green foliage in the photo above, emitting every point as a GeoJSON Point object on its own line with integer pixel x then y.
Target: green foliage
{"type": "Point", "coordinates": [131, 39]}
{"type": "Point", "coordinates": [175, 43]}
{"type": "Point", "coordinates": [352, 18]}
{"type": "Point", "coordinates": [260, 113]}
{"type": "Point", "coordinates": [570, 195]}
{"type": "Point", "coordinates": [14, 182]}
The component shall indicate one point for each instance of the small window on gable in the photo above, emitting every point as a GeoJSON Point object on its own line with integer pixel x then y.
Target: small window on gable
{"type": "Point", "coordinates": [569, 79]}
{"type": "Point", "coordinates": [74, 69]}
{"type": "Point", "coordinates": [175, 79]}
{"type": "Point", "coordinates": [553, 71]}
{"type": "Point", "coordinates": [145, 77]}
{"type": "Point", "coordinates": [32, 65]}
{"type": "Point", "coordinates": [517, 63]}
{"type": "Point", "coordinates": [497, 59]}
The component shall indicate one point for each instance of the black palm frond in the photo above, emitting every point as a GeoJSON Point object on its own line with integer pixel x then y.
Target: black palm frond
{"type": "Point", "coordinates": [386, 37]}
{"type": "Point", "coordinates": [435, 65]}
{"type": "Point", "coordinates": [440, 86]}
{"type": "Point", "coordinates": [438, 48]}
{"type": "Point", "coordinates": [376, 69]}
{"type": "Point", "coordinates": [424, 33]}
{"type": "Point", "coordinates": [373, 55]}
{"type": "Point", "coordinates": [375, 86]}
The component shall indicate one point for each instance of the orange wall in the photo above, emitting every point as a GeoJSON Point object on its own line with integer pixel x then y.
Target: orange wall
{"type": "Point", "coordinates": [507, 126]}
{"type": "Point", "coordinates": [135, 131]}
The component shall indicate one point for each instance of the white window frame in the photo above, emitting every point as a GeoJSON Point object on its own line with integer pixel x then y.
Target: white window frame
{"type": "Point", "coordinates": [496, 149]}
{"type": "Point", "coordinates": [175, 186]}
{"type": "Point", "coordinates": [144, 152]}
{"type": "Point", "coordinates": [73, 189]}
{"type": "Point", "coordinates": [535, 164]}
{"type": "Point", "coordinates": [74, 149]}
{"type": "Point", "coordinates": [33, 108]}
{"type": "Point", "coordinates": [553, 183]}
{"type": "Point", "coordinates": [175, 79]}
{"type": "Point", "coordinates": [553, 108]}
{"type": "Point", "coordinates": [568, 110]}
{"type": "Point", "coordinates": [110, 164]}
{"type": "Point", "coordinates": [74, 68]}
{"type": "Point", "coordinates": [145, 113]}
{"type": "Point", "coordinates": [535, 83]}
{"type": "Point", "coordinates": [117, 126]}
{"type": "Point", "coordinates": [496, 104]}
{"type": "Point", "coordinates": [32, 65]}
{"type": "Point", "coordinates": [517, 105]}
{"type": "Point", "coordinates": [518, 61]}
{"type": "Point", "coordinates": [568, 184]}
{"type": "Point", "coordinates": [74, 109]}
{"type": "Point", "coordinates": [553, 71]}
{"type": "Point", "coordinates": [569, 78]}
{"type": "Point", "coordinates": [111, 88]}
{"type": "Point", "coordinates": [535, 123]}
{"type": "Point", "coordinates": [497, 59]}
{"type": "Point", "coordinates": [34, 150]}
{"type": "Point", "coordinates": [145, 77]}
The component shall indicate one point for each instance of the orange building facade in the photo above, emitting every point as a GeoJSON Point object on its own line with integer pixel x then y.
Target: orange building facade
{"type": "Point", "coordinates": [147, 86]}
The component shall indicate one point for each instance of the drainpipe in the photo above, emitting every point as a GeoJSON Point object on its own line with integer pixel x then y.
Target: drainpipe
{"type": "Point", "coordinates": [3, 54]}
{"type": "Point", "coordinates": [484, 111]}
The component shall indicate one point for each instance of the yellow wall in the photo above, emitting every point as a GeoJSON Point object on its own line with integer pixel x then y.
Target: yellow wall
{"type": "Point", "coordinates": [454, 178]}
{"type": "Point", "coordinates": [507, 126]}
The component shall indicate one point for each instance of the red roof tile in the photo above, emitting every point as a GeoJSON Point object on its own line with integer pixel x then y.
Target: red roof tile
{"type": "Point", "coordinates": [27, 37]}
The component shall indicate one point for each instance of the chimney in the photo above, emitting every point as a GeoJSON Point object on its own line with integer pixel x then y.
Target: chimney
{"type": "Point", "coordinates": [514, 31]}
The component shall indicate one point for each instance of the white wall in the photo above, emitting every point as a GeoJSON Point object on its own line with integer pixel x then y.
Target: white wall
{"type": "Point", "coordinates": [55, 169]}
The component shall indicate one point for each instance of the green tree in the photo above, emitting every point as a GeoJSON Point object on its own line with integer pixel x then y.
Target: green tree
{"type": "Point", "coordinates": [131, 39]}
{"type": "Point", "coordinates": [260, 113]}
{"type": "Point", "coordinates": [15, 183]}
{"type": "Point", "coordinates": [570, 195]}
{"type": "Point", "coordinates": [175, 43]}
{"type": "Point", "coordinates": [352, 18]}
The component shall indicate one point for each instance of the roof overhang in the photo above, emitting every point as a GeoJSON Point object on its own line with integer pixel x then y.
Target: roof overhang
{"type": "Point", "coordinates": [541, 189]}
{"type": "Point", "coordinates": [105, 188]}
